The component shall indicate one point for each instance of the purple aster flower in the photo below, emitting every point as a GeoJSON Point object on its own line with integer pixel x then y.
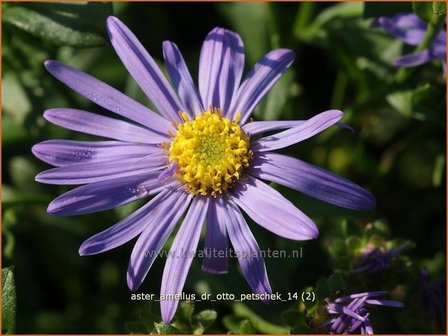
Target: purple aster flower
{"type": "Point", "coordinates": [349, 314]}
{"type": "Point", "coordinates": [433, 296]}
{"type": "Point", "coordinates": [374, 259]}
{"type": "Point", "coordinates": [411, 29]}
{"type": "Point", "coordinates": [199, 157]}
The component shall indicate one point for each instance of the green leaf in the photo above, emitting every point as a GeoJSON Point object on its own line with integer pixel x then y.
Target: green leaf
{"type": "Point", "coordinates": [377, 9]}
{"type": "Point", "coordinates": [423, 10]}
{"type": "Point", "coordinates": [8, 301]}
{"type": "Point", "coordinates": [205, 318]}
{"type": "Point", "coordinates": [336, 283]}
{"type": "Point", "coordinates": [439, 7]}
{"type": "Point", "coordinates": [401, 101]}
{"type": "Point", "coordinates": [247, 328]}
{"type": "Point", "coordinates": [185, 311]}
{"type": "Point", "coordinates": [73, 24]}
{"type": "Point", "coordinates": [322, 289]}
{"type": "Point", "coordinates": [166, 329]}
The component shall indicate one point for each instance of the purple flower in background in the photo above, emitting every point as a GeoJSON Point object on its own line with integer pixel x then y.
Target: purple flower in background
{"type": "Point", "coordinates": [349, 314]}
{"type": "Point", "coordinates": [411, 29]}
{"type": "Point", "coordinates": [374, 259]}
{"type": "Point", "coordinates": [433, 295]}
{"type": "Point", "coordinates": [199, 157]}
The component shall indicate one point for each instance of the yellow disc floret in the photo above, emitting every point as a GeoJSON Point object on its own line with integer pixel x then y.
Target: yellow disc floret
{"type": "Point", "coordinates": [210, 152]}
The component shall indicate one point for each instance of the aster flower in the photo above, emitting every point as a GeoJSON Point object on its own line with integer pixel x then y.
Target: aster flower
{"type": "Point", "coordinates": [349, 314]}
{"type": "Point", "coordinates": [375, 259]}
{"type": "Point", "coordinates": [199, 157]}
{"type": "Point", "coordinates": [411, 30]}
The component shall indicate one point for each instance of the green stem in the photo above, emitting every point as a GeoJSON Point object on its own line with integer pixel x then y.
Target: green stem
{"type": "Point", "coordinates": [431, 32]}
{"type": "Point", "coordinates": [259, 323]}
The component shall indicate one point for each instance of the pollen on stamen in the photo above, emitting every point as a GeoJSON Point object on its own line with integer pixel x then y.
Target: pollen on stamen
{"type": "Point", "coordinates": [210, 152]}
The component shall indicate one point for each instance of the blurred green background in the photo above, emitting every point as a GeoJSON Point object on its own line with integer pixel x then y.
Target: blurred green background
{"type": "Point", "coordinates": [397, 151]}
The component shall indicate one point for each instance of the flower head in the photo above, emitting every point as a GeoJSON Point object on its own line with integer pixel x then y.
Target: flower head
{"type": "Point", "coordinates": [199, 157]}
{"type": "Point", "coordinates": [350, 314]}
{"type": "Point", "coordinates": [375, 259]}
{"type": "Point", "coordinates": [411, 30]}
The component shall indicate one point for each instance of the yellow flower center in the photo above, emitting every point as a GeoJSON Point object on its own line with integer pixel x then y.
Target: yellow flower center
{"type": "Point", "coordinates": [210, 152]}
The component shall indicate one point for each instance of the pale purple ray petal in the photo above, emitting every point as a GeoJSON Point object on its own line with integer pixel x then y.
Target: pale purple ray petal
{"type": "Point", "coordinates": [105, 195]}
{"type": "Point", "coordinates": [108, 97]}
{"type": "Point", "coordinates": [246, 248]}
{"type": "Point", "coordinates": [407, 27]}
{"type": "Point", "coordinates": [221, 66]}
{"type": "Point", "coordinates": [389, 303]}
{"type": "Point", "coordinates": [299, 133]}
{"type": "Point", "coordinates": [438, 51]}
{"type": "Point", "coordinates": [181, 78]}
{"type": "Point", "coordinates": [125, 230]}
{"type": "Point", "coordinates": [257, 127]}
{"type": "Point", "coordinates": [413, 59]}
{"type": "Point", "coordinates": [311, 180]}
{"type": "Point", "coordinates": [144, 69]}
{"type": "Point", "coordinates": [160, 224]}
{"type": "Point", "coordinates": [67, 152]}
{"type": "Point", "coordinates": [181, 255]}
{"type": "Point", "coordinates": [90, 172]}
{"type": "Point", "coordinates": [267, 207]}
{"type": "Point", "coordinates": [90, 123]}
{"type": "Point", "coordinates": [260, 79]}
{"type": "Point", "coordinates": [216, 259]}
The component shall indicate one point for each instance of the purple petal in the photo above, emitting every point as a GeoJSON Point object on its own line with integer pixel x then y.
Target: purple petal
{"type": "Point", "coordinates": [260, 79]}
{"type": "Point", "coordinates": [82, 173]}
{"type": "Point", "coordinates": [299, 133]}
{"type": "Point", "coordinates": [104, 195]}
{"type": "Point", "coordinates": [216, 245]}
{"type": "Point", "coordinates": [267, 207]}
{"type": "Point", "coordinates": [125, 230]}
{"type": "Point", "coordinates": [181, 78]}
{"type": "Point", "coordinates": [246, 248]}
{"type": "Point", "coordinates": [90, 123]}
{"type": "Point", "coordinates": [144, 69]}
{"type": "Point", "coordinates": [388, 303]}
{"type": "Point", "coordinates": [407, 27]}
{"type": "Point", "coordinates": [160, 224]}
{"type": "Point", "coordinates": [66, 152]}
{"type": "Point", "coordinates": [108, 97]}
{"type": "Point", "coordinates": [413, 59]}
{"type": "Point", "coordinates": [181, 255]}
{"type": "Point", "coordinates": [221, 66]}
{"type": "Point", "coordinates": [257, 127]}
{"type": "Point", "coordinates": [312, 180]}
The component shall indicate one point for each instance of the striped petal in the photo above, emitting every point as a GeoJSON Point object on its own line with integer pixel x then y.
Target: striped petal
{"type": "Point", "coordinates": [94, 124]}
{"type": "Point", "coordinates": [312, 180]}
{"type": "Point", "coordinates": [257, 127]}
{"type": "Point", "coordinates": [105, 195]}
{"type": "Point", "coordinates": [107, 97]}
{"type": "Point", "coordinates": [181, 255]}
{"type": "Point", "coordinates": [216, 260]}
{"type": "Point", "coordinates": [82, 173]}
{"type": "Point", "coordinates": [268, 208]}
{"type": "Point", "coordinates": [144, 69]}
{"type": "Point", "coordinates": [260, 79]}
{"type": "Point", "coordinates": [159, 226]}
{"type": "Point", "coordinates": [246, 248]}
{"type": "Point", "coordinates": [67, 152]}
{"type": "Point", "coordinates": [125, 230]}
{"type": "Point", "coordinates": [299, 133]}
{"type": "Point", "coordinates": [181, 78]}
{"type": "Point", "coordinates": [221, 66]}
